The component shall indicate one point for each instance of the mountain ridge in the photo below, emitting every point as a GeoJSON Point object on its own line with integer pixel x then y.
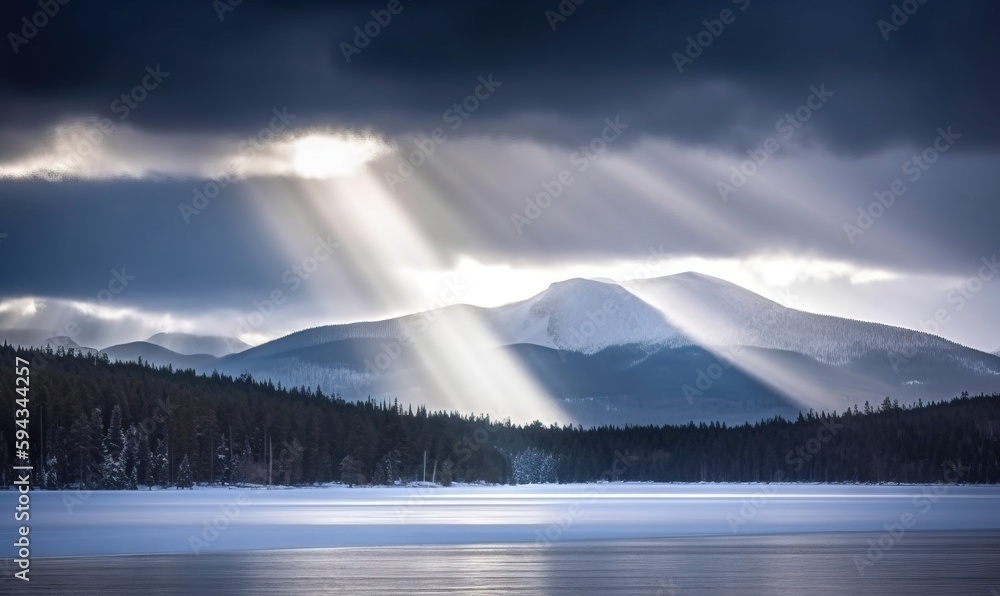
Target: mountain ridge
{"type": "Point", "coordinates": [683, 347]}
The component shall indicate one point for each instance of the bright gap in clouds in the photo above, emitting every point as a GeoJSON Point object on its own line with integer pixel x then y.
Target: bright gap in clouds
{"type": "Point", "coordinates": [493, 284]}
{"type": "Point", "coordinates": [97, 149]}
{"type": "Point", "coordinates": [328, 155]}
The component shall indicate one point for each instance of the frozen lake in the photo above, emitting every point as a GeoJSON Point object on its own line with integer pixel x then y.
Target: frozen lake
{"type": "Point", "coordinates": [207, 521]}
{"type": "Point", "coordinates": [922, 563]}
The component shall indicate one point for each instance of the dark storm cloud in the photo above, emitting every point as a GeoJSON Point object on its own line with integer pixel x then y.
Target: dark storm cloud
{"type": "Point", "coordinates": [70, 245]}
{"type": "Point", "coordinates": [605, 58]}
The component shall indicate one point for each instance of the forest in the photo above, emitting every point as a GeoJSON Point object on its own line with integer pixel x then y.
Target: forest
{"type": "Point", "coordinates": [96, 424]}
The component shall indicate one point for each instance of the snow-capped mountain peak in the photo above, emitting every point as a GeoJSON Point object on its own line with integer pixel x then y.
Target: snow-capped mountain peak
{"type": "Point", "coordinates": [582, 315]}
{"type": "Point", "coordinates": [716, 312]}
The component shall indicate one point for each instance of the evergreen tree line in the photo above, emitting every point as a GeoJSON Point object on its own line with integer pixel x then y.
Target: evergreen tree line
{"type": "Point", "coordinates": [102, 425]}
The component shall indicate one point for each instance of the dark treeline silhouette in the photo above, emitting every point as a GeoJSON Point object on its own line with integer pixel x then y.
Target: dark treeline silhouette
{"type": "Point", "coordinates": [96, 424]}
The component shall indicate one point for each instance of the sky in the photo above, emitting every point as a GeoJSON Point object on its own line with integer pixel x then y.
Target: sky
{"type": "Point", "coordinates": [252, 168]}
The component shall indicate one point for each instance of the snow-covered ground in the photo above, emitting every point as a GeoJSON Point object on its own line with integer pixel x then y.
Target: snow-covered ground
{"type": "Point", "coordinates": [211, 520]}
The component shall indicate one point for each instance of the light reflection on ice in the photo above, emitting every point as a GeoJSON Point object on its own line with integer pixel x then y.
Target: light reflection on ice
{"type": "Point", "coordinates": [67, 523]}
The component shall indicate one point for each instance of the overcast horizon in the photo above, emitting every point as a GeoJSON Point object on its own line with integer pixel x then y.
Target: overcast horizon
{"type": "Point", "coordinates": [175, 166]}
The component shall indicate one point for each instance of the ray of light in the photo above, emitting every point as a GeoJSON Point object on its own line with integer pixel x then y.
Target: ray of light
{"type": "Point", "coordinates": [379, 240]}
{"type": "Point", "coordinates": [728, 339]}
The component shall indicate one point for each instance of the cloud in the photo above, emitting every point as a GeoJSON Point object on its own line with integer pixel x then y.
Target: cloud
{"type": "Point", "coordinates": [223, 79]}
{"type": "Point", "coordinates": [226, 75]}
{"type": "Point", "coordinates": [96, 149]}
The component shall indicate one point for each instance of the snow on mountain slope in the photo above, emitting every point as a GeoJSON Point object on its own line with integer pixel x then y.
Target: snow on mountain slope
{"type": "Point", "coordinates": [582, 316]}
{"type": "Point", "coordinates": [719, 313]}
{"type": "Point", "coordinates": [67, 343]}
{"type": "Point", "coordinates": [188, 344]}
{"type": "Point", "coordinates": [575, 315]}
{"type": "Point", "coordinates": [40, 338]}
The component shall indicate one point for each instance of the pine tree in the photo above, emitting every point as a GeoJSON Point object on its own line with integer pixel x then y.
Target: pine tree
{"type": "Point", "coordinates": [50, 475]}
{"type": "Point", "coordinates": [149, 469]}
{"type": "Point", "coordinates": [350, 471]}
{"type": "Point", "coordinates": [223, 458]}
{"type": "Point", "coordinates": [112, 472]}
{"type": "Point", "coordinates": [113, 475]}
{"type": "Point", "coordinates": [79, 439]}
{"type": "Point", "coordinates": [114, 439]}
{"type": "Point", "coordinates": [162, 462]}
{"type": "Point", "coordinates": [94, 440]}
{"type": "Point", "coordinates": [131, 458]}
{"type": "Point", "coordinates": [184, 477]}
{"type": "Point", "coordinates": [144, 472]}
{"type": "Point", "coordinates": [387, 470]}
{"type": "Point", "coordinates": [445, 474]}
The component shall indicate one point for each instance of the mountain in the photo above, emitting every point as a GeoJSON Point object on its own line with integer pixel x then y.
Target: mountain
{"type": "Point", "coordinates": [25, 337]}
{"type": "Point", "coordinates": [188, 344]}
{"type": "Point", "coordinates": [159, 356]}
{"type": "Point", "coordinates": [721, 313]}
{"type": "Point", "coordinates": [676, 348]}
{"type": "Point", "coordinates": [66, 343]}
{"type": "Point", "coordinates": [671, 349]}
{"type": "Point", "coordinates": [40, 338]}
{"type": "Point", "coordinates": [584, 316]}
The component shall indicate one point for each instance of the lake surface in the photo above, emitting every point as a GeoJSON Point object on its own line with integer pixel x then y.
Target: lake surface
{"type": "Point", "coordinates": [921, 563]}
{"type": "Point", "coordinates": [664, 539]}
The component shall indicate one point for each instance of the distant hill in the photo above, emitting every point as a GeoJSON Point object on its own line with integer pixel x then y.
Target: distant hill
{"type": "Point", "coordinates": [188, 344]}
{"type": "Point", "coordinates": [158, 356]}
{"type": "Point", "coordinates": [40, 338]}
